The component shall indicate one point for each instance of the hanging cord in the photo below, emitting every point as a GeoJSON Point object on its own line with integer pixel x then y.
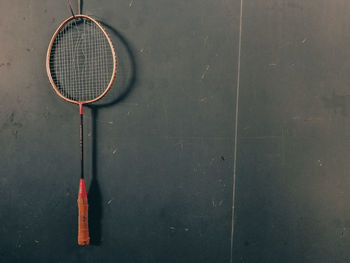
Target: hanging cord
{"type": "Point", "coordinates": [71, 9]}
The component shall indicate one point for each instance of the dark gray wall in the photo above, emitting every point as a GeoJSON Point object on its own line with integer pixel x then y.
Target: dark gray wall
{"type": "Point", "coordinates": [159, 148]}
{"type": "Point", "coordinates": [294, 148]}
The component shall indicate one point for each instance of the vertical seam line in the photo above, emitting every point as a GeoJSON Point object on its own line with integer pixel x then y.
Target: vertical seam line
{"type": "Point", "coordinates": [236, 129]}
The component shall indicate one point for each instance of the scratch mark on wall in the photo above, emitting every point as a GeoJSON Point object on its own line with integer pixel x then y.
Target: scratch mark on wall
{"type": "Point", "coordinates": [261, 137]}
{"type": "Point", "coordinates": [313, 119]}
{"type": "Point", "coordinates": [181, 145]}
{"type": "Point", "coordinates": [205, 40]}
{"type": "Point", "coordinates": [131, 104]}
{"type": "Point", "coordinates": [283, 146]}
{"type": "Point", "coordinates": [100, 121]}
{"type": "Point", "coordinates": [8, 64]}
{"type": "Point", "coordinates": [336, 103]}
{"type": "Point", "coordinates": [205, 71]}
{"type": "Point", "coordinates": [18, 244]}
{"type": "Point", "coordinates": [165, 111]}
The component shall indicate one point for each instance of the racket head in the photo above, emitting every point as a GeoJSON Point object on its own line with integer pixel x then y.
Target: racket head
{"type": "Point", "coordinates": [81, 62]}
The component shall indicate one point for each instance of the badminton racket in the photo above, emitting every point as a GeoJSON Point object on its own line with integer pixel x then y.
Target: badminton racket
{"type": "Point", "coordinates": [81, 65]}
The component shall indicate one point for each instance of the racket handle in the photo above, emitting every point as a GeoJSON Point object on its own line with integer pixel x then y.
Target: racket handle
{"type": "Point", "coordinates": [83, 226]}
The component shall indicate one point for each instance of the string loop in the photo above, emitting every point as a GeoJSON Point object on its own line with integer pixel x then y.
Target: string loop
{"type": "Point", "coordinates": [71, 9]}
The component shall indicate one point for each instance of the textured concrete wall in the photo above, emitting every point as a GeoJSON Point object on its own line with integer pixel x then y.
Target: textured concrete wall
{"type": "Point", "coordinates": [159, 147]}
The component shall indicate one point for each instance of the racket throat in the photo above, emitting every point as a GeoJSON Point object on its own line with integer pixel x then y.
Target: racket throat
{"type": "Point", "coordinates": [82, 189]}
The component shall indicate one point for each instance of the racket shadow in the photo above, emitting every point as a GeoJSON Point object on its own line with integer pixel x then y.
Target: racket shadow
{"type": "Point", "coordinates": [126, 70]}
{"type": "Point", "coordinates": [94, 192]}
{"type": "Point", "coordinates": [125, 81]}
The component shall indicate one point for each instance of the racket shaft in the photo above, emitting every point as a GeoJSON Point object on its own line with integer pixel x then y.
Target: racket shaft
{"type": "Point", "coordinates": [81, 141]}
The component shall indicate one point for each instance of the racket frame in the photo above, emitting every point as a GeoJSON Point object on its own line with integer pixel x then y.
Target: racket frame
{"type": "Point", "coordinates": [48, 70]}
